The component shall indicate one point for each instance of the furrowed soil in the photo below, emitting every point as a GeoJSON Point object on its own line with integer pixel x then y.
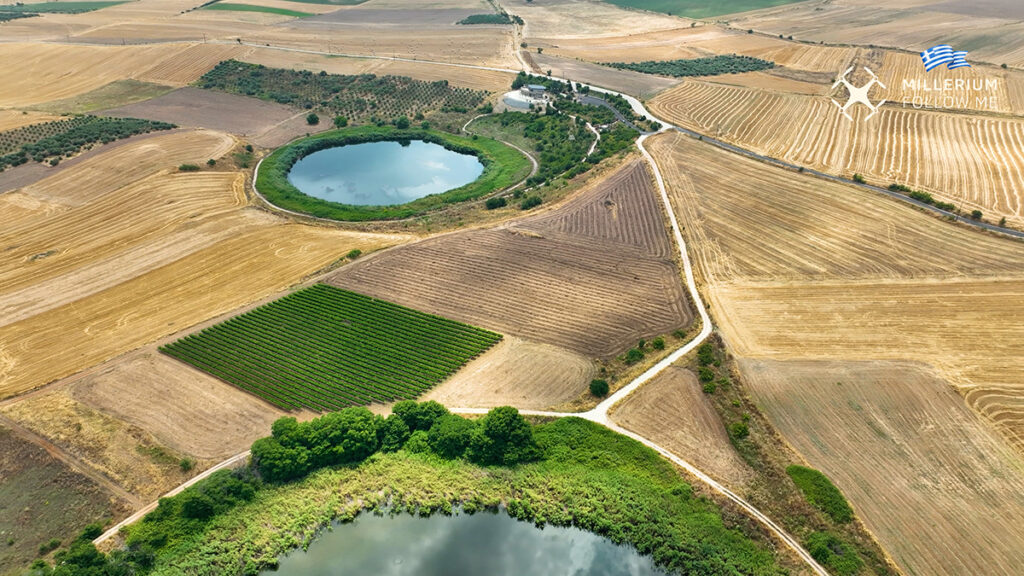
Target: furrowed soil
{"type": "Point", "coordinates": [593, 275]}
{"type": "Point", "coordinates": [41, 498]}
{"type": "Point", "coordinates": [800, 270]}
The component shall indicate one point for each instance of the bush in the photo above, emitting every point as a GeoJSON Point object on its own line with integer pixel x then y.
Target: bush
{"type": "Point", "coordinates": [859, 179]}
{"type": "Point", "coordinates": [419, 416]}
{"type": "Point", "coordinates": [450, 436]}
{"type": "Point", "coordinates": [710, 387]}
{"type": "Point", "coordinates": [739, 430]}
{"type": "Point", "coordinates": [830, 551]}
{"type": "Point", "coordinates": [634, 355]}
{"type": "Point", "coordinates": [353, 254]}
{"type": "Point", "coordinates": [1002, 222]}
{"type": "Point", "coordinates": [705, 354]}
{"type": "Point", "coordinates": [294, 449]}
{"type": "Point", "coordinates": [312, 119]}
{"type": "Point", "coordinates": [503, 437]}
{"type": "Point", "coordinates": [47, 547]}
{"type": "Point", "coordinates": [418, 442]}
{"type": "Point", "coordinates": [821, 493]}
{"type": "Point", "coordinates": [976, 214]}
{"type": "Point", "coordinates": [394, 432]}
{"type": "Point", "coordinates": [495, 203]}
{"type": "Point", "coordinates": [530, 202]}
{"type": "Point", "coordinates": [658, 343]}
{"type": "Point", "coordinates": [188, 168]}
{"type": "Point", "coordinates": [186, 464]}
{"type": "Point", "coordinates": [706, 374]}
{"type": "Point", "coordinates": [340, 121]}
{"type": "Point", "coordinates": [402, 123]}
{"type": "Point", "coordinates": [599, 387]}
{"type": "Point", "coordinates": [196, 505]}
{"type": "Point", "coordinates": [211, 162]}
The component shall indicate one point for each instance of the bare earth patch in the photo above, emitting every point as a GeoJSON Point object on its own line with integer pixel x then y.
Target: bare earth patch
{"type": "Point", "coordinates": [519, 373]}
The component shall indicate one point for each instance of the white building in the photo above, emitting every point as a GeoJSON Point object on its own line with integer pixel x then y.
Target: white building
{"type": "Point", "coordinates": [535, 91]}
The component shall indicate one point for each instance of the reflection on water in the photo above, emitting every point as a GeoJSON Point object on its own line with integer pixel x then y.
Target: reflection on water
{"type": "Point", "coordinates": [481, 544]}
{"type": "Point", "coordinates": [383, 173]}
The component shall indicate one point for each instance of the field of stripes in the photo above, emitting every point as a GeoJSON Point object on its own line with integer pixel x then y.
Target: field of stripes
{"type": "Point", "coordinates": [324, 348]}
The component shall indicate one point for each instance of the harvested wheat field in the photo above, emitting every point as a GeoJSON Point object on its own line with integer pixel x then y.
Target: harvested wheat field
{"type": "Point", "coordinates": [519, 373]}
{"type": "Point", "coordinates": [11, 119]}
{"type": "Point", "coordinates": [578, 19]}
{"type": "Point", "coordinates": [593, 275]}
{"type": "Point", "coordinates": [184, 409]}
{"type": "Point", "coordinates": [748, 221]}
{"type": "Point", "coordinates": [673, 411]}
{"type": "Point", "coordinates": [976, 161]}
{"type": "Point", "coordinates": [800, 269]}
{"type": "Point", "coordinates": [894, 437]}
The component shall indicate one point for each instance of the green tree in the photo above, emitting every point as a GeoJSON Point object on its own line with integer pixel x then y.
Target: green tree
{"type": "Point", "coordinates": [419, 416]}
{"type": "Point", "coordinates": [599, 387]}
{"type": "Point", "coordinates": [393, 433]}
{"type": "Point", "coordinates": [197, 506]}
{"type": "Point", "coordinates": [495, 203]}
{"type": "Point", "coordinates": [658, 343]}
{"type": "Point", "coordinates": [503, 437]}
{"type": "Point", "coordinates": [312, 119]}
{"type": "Point", "coordinates": [976, 214]}
{"type": "Point", "coordinates": [402, 123]}
{"type": "Point", "coordinates": [450, 435]}
{"type": "Point", "coordinates": [277, 463]}
{"type": "Point", "coordinates": [340, 121]}
{"type": "Point", "coordinates": [634, 355]}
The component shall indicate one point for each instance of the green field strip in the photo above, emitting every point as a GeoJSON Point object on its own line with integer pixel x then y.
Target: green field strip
{"type": "Point", "coordinates": [257, 8]}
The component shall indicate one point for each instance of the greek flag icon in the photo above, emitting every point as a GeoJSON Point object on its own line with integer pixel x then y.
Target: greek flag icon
{"type": "Point", "coordinates": [943, 54]}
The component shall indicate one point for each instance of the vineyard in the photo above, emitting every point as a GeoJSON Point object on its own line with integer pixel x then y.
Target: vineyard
{"type": "Point", "coordinates": [65, 138]}
{"type": "Point", "coordinates": [359, 98]}
{"type": "Point", "coordinates": [324, 348]}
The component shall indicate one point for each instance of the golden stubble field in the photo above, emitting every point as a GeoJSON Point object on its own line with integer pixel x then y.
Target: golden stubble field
{"type": "Point", "coordinates": [797, 269]}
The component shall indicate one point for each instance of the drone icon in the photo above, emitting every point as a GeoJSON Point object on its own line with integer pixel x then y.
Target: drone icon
{"type": "Point", "coordinates": [858, 94]}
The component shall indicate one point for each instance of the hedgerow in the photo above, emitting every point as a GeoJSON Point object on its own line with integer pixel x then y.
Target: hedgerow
{"type": "Point", "coordinates": [711, 66]}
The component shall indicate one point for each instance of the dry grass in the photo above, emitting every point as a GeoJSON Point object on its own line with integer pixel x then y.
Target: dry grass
{"type": "Point", "coordinates": [184, 409]}
{"type": "Point", "coordinates": [927, 476]}
{"type": "Point", "coordinates": [674, 412]}
{"type": "Point", "coordinates": [11, 119]}
{"type": "Point", "coordinates": [519, 373]}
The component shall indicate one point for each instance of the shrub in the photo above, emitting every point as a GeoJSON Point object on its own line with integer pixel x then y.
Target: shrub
{"type": "Point", "coordinates": [197, 506]}
{"type": "Point", "coordinates": [706, 374]}
{"type": "Point", "coordinates": [976, 214]}
{"type": "Point", "coordinates": [188, 168]}
{"type": "Point", "coordinates": [658, 343]}
{"type": "Point", "coordinates": [394, 433]}
{"type": "Point", "coordinates": [402, 123]}
{"type": "Point", "coordinates": [340, 121]}
{"type": "Point", "coordinates": [354, 253]}
{"type": "Point", "coordinates": [1002, 222]}
{"type": "Point", "coordinates": [679, 334]}
{"type": "Point", "coordinates": [312, 119]}
{"type": "Point", "coordinates": [599, 387]}
{"type": "Point", "coordinates": [821, 493]}
{"type": "Point", "coordinates": [211, 162]}
{"type": "Point", "coordinates": [186, 464]}
{"type": "Point", "coordinates": [739, 430]}
{"type": "Point", "coordinates": [50, 546]}
{"type": "Point", "coordinates": [830, 551]}
{"type": "Point", "coordinates": [1004, 66]}
{"type": "Point", "coordinates": [530, 202]}
{"type": "Point", "coordinates": [495, 203]}
{"type": "Point", "coordinates": [710, 387]}
{"type": "Point", "coordinates": [859, 179]}
{"type": "Point", "coordinates": [634, 355]}
{"type": "Point", "coordinates": [705, 354]}
{"type": "Point", "coordinates": [417, 442]}
{"type": "Point", "coordinates": [419, 416]}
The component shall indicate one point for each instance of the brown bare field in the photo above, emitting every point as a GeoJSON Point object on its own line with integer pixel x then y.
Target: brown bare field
{"type": "Point", "coordinates": [184, 409]}
{"type": "Point", "coordinates": [126, 454]}
{"type": "Point", "coordinates": [520, 373]}
{"type": "Point", "coordinates": [593, 275]}
{"type": "Point", "coordinates": [584, 19]}
{"type": "Point", "coordinates": [949, 155]}
{"type": "Point", "coordinates": [213, 110]}
{"type": "Point", "coordinates": [672, 411]}
{"type": "Point", "coordinates": [894, 437]}
{"type": "Point", "coordinates": [42, 498]}
{"type": "Point", "coordinates": [763, 223]}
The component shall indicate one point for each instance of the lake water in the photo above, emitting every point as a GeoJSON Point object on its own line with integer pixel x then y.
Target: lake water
{"type": "Point", "coordinates": [478, 545]}
{"type": "Point", "coordinates": [383, 173]}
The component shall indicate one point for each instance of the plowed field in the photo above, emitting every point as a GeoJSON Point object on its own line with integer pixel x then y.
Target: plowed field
{"type": "Point", "coordinates": [592, 276]}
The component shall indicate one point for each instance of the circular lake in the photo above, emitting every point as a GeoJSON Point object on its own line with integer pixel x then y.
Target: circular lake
{"type": "Point", "coordinates": [383, 173]}
{"type": "Point", "coordinates": [492, 544]}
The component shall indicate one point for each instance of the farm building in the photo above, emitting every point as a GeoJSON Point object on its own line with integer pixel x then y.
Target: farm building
{"type": "Point", "coordinates": [534, 91]}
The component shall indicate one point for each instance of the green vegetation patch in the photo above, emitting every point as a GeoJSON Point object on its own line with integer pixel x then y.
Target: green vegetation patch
{"type": "Point", "coordinates": [712, 66]}
{"type": "Point", "coordinates": [833, 553]}
{"type": "Point", "coordinates": [324, 348]}
{"type": "Point", "coordinates": [362, 98]}
{"type": "Point", "coordinates": [500, 18]}
{"type": "Point", "coordinates": [255, 8]}
{"type": "Point", "coordinates": [117, 93]}
{"type": "Point", "coordinates": [821, 492]}
{"type": "Point", "coordinates": [503, 167]}
{"type": "Point", "coordinates": [423, 460]}
{"type": "Point", "coordinates": [59, 7]}
{"type": "Point", "coordinates": [51, 141]}
{"type": "Point", "coordinates": [8, 16]}
{"type": "Point", "coordinates": [699, 8]}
